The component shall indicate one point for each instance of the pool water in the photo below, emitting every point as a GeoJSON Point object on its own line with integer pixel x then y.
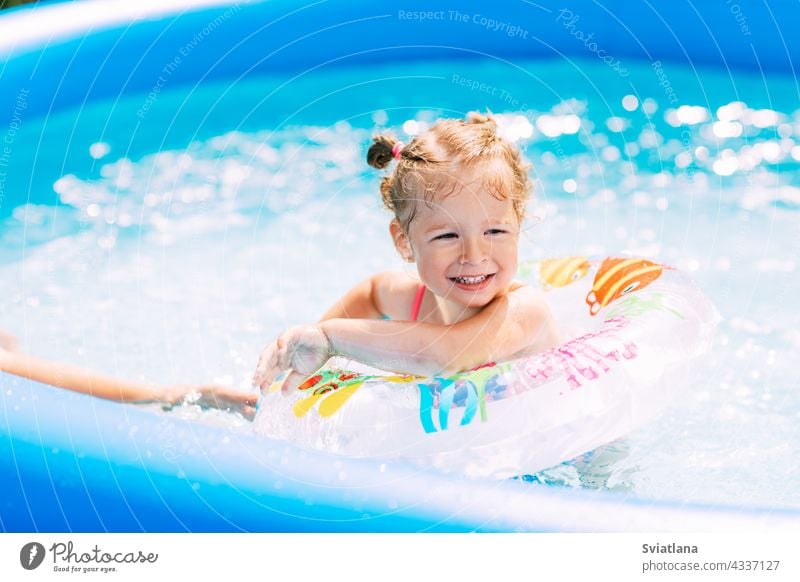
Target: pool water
{"type": "Point", "coordinates": [170, 245]}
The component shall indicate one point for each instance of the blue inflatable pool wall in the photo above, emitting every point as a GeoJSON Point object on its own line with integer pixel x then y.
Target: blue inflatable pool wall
{"type": "Point", "coordinates": [74, 463]}
{"type": "Point", "coordinates": [96, 50]}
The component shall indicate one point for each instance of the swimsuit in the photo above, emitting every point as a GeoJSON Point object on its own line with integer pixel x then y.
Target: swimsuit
{"type": "Point", "coordinates": [414, 306]}
{"type": "Point", "coordinates": [417, 302]}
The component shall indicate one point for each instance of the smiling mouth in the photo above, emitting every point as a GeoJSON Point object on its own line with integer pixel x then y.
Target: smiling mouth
{"type": "Point", "coordinates": [471, 280]}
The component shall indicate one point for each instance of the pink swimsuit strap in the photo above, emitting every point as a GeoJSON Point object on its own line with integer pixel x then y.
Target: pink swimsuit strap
{"type": "Point", "coordinates": [417, 302]}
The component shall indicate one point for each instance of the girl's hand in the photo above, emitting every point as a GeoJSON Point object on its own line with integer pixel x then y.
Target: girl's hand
{"type": "Point", "coordinates": [212, 396]}
{"type": "Point", "coordinates": [301, 350]}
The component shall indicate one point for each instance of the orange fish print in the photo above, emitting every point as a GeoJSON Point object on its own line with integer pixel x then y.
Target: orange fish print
{"type": "Point", "coordinates": [562, 272]}
{"type": "Point", "coordinates": [618, 277]}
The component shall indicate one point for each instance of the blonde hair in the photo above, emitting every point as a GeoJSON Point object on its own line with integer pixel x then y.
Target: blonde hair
{"type": "Point", "coordinates": [430, 165]}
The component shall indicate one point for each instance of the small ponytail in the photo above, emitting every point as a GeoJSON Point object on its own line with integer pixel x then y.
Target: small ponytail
{"type": "Point", "coordinates": [477, 118]}
{"type": "Point", "coordinates": [486, 124]}
{"type": "Point", "coordinates": [380, 153]}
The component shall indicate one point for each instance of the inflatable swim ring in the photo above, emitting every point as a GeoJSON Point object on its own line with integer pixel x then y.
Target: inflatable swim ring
{"type": "Point", "coordinates": [633, 327]}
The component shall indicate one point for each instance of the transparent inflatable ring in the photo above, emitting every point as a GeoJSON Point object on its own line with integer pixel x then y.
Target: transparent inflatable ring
{"type": "Point", "coordinates": [635, 330]}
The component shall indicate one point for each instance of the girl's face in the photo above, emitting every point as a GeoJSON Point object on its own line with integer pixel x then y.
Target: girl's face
{"type": "Point", "coordinates": [465, 246]}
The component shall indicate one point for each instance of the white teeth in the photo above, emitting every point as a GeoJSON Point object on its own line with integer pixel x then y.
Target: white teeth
{"type": "Point", "coordinates": [470, 280]}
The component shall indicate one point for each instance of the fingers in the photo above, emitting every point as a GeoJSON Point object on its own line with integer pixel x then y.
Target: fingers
{"type": "Point", "coordinates": [228, 398]}
{"type": "Point", "coordinates": [273, 380]}
{"type": "Point", "coordinates": [237, 398]}
{"type": "Point", "coordinates": [277, 384]}
{"type": "Point", "coordinates": [279, 357]}
{"type": "Point", "coordinates": [292, 381]}
{"type": "Point", "coordinates": [261, 366]}
{"type": "Point", "coordinates": [249, 412]}
{"type": "Point", "coordinates": [267, 362]}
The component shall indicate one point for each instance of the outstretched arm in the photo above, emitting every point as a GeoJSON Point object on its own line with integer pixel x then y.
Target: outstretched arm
{"type": "Point", "coordinates": [96, 384]}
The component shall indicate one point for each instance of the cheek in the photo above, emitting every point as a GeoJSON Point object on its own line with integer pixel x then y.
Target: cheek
{"type": "Point", "coordinates": [434, 264]}
{"type": "Point", "coordinates": [510, 255]}
{"type": "Point", "coordinates": [507, 248]}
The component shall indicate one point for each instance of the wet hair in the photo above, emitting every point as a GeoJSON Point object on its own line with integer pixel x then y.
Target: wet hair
{"type": "Point", "coordinates": [431, 164]}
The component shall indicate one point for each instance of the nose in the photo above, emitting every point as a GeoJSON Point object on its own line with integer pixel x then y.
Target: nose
{"type": "Point", "coordinates": [475, 251]}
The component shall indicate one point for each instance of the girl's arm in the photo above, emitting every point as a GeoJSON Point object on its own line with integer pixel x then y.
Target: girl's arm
{"type": "Point", "coordinates": [102, 386]}
{"type": "Point", "coordinates": [309, 346]}
{"type": "Point", "coordinates": [510, 324]}
{"type": "Point", "coordinates": [80, 380]}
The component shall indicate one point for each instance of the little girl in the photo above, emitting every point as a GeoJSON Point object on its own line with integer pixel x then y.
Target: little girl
{"type": "Point", "coordinates": [458, 195]}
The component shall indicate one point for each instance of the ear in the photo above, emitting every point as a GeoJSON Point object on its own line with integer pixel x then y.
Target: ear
{"type": "Point", "coordinates": [401, 242]}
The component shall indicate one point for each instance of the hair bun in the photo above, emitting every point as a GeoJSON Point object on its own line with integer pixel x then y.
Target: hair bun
{"type": "Point", "coordinates": [477, 117]}
{"type": "Point", "coordinates": [380, 152]}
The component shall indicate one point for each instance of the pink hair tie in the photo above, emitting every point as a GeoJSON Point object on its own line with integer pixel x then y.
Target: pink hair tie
{"type": "Point", "coordinates": [397, 150]}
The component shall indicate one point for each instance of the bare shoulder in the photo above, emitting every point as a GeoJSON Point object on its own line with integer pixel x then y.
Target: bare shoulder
{"type": "Point", "coordinates": [393, 292]}
{"type": "Point", "coordinates": [526, 295]}
{"type": "Point", "coordinates": [533, 314]}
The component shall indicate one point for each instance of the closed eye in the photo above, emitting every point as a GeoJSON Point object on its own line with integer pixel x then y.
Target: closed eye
{"type": "Point", "coordinates": [496, 231]}
{"type": "Point", "coordinates": [445, 236]}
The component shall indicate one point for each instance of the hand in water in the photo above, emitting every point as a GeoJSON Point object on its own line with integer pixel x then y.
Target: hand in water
{"type": "Point", "coordinates": [300, 350]}
{"type": "Point", "coordinates": [213, 396]}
